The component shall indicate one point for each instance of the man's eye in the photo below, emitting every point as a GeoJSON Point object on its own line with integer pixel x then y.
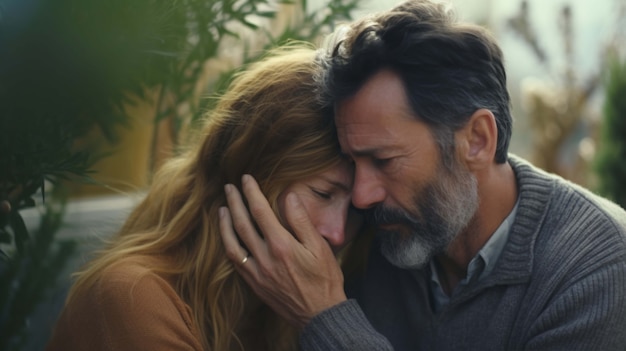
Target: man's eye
{"type": "Point", "coordinates": [381, 162]}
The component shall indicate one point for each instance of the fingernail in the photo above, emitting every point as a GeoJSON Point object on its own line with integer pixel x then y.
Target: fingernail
{"type": "Point", "coordinates": [227, 188]}
{"type": "Point", "coordinates": [221, 211]}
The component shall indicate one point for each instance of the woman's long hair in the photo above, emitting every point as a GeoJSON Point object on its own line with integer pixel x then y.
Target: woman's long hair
{"type": "Point", "coordinates": [269, 124]}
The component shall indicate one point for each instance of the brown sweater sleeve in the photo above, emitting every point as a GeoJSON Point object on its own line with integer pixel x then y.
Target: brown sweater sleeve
{"type": "Point", "coordinates": [128, 308]}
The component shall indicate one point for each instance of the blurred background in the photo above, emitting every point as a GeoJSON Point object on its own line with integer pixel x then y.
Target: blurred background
{"type": "Point", "coordinates": [96, 95]}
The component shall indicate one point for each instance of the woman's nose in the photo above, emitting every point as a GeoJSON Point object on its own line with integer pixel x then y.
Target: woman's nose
{"type": "Point", "coordinates": [333, 228]}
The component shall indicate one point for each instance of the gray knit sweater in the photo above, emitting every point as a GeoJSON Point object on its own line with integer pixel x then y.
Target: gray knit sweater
{"type": "Point", "coordinates": [559, 284]}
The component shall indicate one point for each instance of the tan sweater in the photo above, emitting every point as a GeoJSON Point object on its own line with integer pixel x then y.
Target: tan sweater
{"type": "Point", "coordinates": [128, 308]}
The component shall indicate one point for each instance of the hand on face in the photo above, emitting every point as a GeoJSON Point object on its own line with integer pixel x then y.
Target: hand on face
{"type": "Point", "coordinates": [297, 276]}
{"type": "Point", "coordinates": [327, 198]}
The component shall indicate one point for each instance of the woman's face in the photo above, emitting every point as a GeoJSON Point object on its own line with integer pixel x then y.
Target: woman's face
{"type": "Point", "coordinates": [327, 199]}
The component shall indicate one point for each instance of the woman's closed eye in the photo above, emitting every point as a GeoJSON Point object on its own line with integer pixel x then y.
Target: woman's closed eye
{"type": "Point", "coordinates": [322, 194]}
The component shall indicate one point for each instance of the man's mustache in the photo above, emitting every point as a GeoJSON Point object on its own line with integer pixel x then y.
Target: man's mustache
{"type": "Point", "coordinates": [384, 215]}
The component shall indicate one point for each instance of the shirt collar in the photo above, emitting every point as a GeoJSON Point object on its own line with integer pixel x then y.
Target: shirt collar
{"type": "Point", "coordinates": [493, 248]}
{"type": "Point", "coordinates": [482, 264]}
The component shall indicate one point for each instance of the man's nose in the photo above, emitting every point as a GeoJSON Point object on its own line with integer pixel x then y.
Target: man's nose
{"type": "Point", "coordinates": [367, 190]}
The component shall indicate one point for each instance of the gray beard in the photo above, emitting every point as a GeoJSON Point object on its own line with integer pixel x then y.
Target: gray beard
{"type": "Point", "coordinates": [445, 208]}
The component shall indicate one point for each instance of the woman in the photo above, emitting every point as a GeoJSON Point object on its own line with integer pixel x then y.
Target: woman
{"type": "Point", "coordinates": [165, 283]}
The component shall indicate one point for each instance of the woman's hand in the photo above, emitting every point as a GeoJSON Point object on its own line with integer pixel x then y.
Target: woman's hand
{"type": "Point", "coordinates": [296, 274]}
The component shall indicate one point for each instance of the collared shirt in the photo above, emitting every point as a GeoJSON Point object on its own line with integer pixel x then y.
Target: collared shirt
{"type": "Point", "coordinates": [480, 266]}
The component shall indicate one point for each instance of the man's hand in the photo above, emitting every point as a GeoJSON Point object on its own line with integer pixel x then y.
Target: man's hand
{"type": "Point", "coordinates": [296, 274]}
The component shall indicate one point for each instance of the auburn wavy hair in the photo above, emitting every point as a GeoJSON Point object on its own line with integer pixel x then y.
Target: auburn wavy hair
{"type": "Point", "coordinates": [270, 124]}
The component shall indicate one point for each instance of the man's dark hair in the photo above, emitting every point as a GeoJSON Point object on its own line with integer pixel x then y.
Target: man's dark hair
{"type": "Point", "coordinates": [449, 69]}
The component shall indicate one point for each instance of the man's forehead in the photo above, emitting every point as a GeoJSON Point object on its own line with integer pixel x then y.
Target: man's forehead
{"type": "Point", "coordinates": [362, 138]}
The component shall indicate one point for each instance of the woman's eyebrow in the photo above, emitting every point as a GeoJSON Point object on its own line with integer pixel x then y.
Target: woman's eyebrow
{"type": "Point", "coordinates": [338, 184]}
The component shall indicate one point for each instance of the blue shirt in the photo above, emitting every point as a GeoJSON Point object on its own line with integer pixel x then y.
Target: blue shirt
{"type": "Point", "coordinates": [480, 266]}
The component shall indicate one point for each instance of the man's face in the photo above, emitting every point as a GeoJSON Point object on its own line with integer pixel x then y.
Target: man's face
{"type": "Point", "coordinates": [418, 205]}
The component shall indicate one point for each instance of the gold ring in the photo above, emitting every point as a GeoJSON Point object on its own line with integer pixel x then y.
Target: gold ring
{"type": "Point", "coordinates": [245, 259]}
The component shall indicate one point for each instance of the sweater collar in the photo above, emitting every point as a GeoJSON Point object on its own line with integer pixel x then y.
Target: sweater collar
{"type": "Point", "coordinates": [535, 189]}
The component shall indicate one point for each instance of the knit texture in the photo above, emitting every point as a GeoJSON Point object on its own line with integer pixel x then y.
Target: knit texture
{"type": "Point", "coordinates": [558, 285]}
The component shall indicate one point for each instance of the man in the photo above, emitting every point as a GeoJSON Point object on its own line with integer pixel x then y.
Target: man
{"type": "Point", "coordinates": [476, 249]}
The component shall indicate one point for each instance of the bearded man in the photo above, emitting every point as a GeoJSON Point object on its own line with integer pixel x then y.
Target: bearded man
{"type": "Point", "coordinates": [476, 249]}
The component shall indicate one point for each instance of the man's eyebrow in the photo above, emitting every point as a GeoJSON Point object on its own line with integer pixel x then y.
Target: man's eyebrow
{"type": "Point", "coordinates": [366, 152]}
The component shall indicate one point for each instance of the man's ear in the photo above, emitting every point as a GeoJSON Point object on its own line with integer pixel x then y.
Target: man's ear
{"type": "Point", "coordinates": [477, 140]}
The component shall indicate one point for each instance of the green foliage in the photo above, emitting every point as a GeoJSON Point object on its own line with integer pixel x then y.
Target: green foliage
{"type": "Point", "coordinates": [27, 276]}
{"type": "Point", "coordinates": [68, 67]}
{"type": "Point", "coordinates": [310, 28]}
{"type": "Point", "coordinates": [610, 162]}
{"type": "Point", "coordinates": [205, 24]}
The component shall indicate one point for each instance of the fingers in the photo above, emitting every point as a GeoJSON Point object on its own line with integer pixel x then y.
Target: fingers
{"type": "Point", "coordinates": [284, 273]}
{"type": "Point", "coordinates": [243, 261]}
{"type": "Point", "coordinates": [304, 230]}
{"type": "Point", "coordinates": [280, 240]}
{"type": "Point", "coordinates": [262, 212]}
{"type": "Point", "coordinates": [234, 251]}
{"type": "Point", "coordinates": [240, 224]}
